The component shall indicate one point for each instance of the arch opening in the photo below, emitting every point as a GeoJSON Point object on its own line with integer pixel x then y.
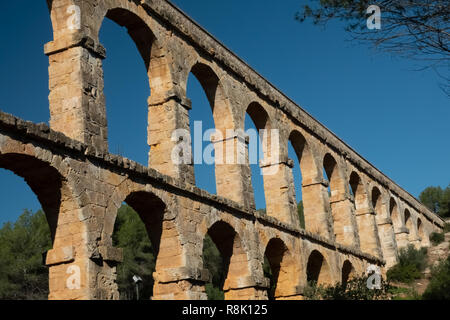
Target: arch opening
{"type": "Point", "coordinates": [357, 190]}
{"type": "Point", "coordinates": [127, 80]}
{"type": "Point", "coordinates": [395, 215]}
{"type": "Point", "coordinates": [331, 170]}
{"type": "Point", "coordinates": [27, 241]}
{"type": "Point", "coordinates": [348, 272]}
{"type": "Point", "coordinates": [44, 180]}
{"type": "Point", "coordinates": [317, 270]}
{"type": "Point", "coordinates": [424, 239]}
{"type": "Point", "coordinates": [138, 230]}
{"type": "Point", "coordinates": [377, 203]}
{"type": "Point", "coordinates": [213, 262]}
{"type": "Point", "coordinates": [259, 146]}
{"type": "Point", "coordinates": [366, 223]}
{"type": "Point", "coordinates": [304, 172]}
{"type": "Point", "coordinates": [409, 224]}
{"type": "Point", "coordinates": [202, 89]}
{"type": "Point", "coordinates": [215, 94]}
{"type": "Point", "coordinates": [280, 269]}
{"type": "Point", "coordinates": [386, 231]}
{"type": "Point", "coordinates": [344, 223]}
{"type": "Point", "coordinates": [233, 257]}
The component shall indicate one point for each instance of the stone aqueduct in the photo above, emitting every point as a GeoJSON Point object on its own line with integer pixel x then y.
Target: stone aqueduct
{"type": "Point", "coordinates": [81, 185]}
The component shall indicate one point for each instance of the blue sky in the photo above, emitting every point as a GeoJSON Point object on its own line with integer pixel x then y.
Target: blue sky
{"type": "Point", "coordinates": [395, 117]}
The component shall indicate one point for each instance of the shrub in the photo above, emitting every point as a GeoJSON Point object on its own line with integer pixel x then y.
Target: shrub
{"type": "Point", "coordinates": [446, 227]}
{"type": "Point", "coordinates": [404, 274]}
{"type": "Point", "coordinates": [437, 238]}
{"type": "Point", "coordinates": [213, 293]}
{"type": "Point", "coordinates": [313, 291]}
{"type": "Point", "coordinates": [355, 289]}
{"type": "Point", "coordinates": [411, 263]}
{"type": "Point", "coordinates": [404, 294]}
{"type": "Point", "coordinates": [439, 286]}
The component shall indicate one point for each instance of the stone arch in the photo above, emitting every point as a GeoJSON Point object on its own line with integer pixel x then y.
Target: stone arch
{"type": "Point", "coordinates": [333, 174]}
{"type": "Point", "coordinates": [316, 207]}
{"type": "Point", "coordinates": [377, 203]}
{"type": "Point", "coordinates": [151, 210]}
{"type": "Point", "coordinates": [154, 57]}
{"type": "Point", "coordinates": [154, 210]}
{"type": "Point", "coordinates": [78, 54]}
{"type": "Point", "coordinates": [420, 230]}
{"type": "Point", "coordinates": [262, 121]}
{"type": "Point", "coordinates": [282, 266]}
{"type": "Point", "coordinates": [44, 180]}
{"type": "Point", "coordinates": [305, 157]}
{"type": "Point", "coordinates": [318, 270]}
{"type": "Point", "coordinates": [234, 257]}
{"type": "Point", "coordinates": [422, 233]}
{"type": "Point", "coordinates": [358, 190]}
{"type": "Point", "coordinates": [344, 222]}
{"type": "Point", "coordinates": [227, 176]}
{"type": "Point", "coordinates": [218, 100]}
{"type": "Point", "coordinates": [348, 272]}
{"type": "Point", "coordinates": [385, 229]}
{"type": "Point", "coordinates": [398, 222]}
{"type": "Point", "coordinates": [365, 219]}
{"type": "Point", "coordinates": [395, 215]}
{"type": "Point", "coordinates": [409, 224]}
{"type": "Point", "coordinates": [153, 54]}
{"type": "Point", "coordinates": [260, 117]}
{"type": "Point", "coordinates": [52, 190]}
{"type": "Point", "coordinates": [150, 203]}
{"type": "Point", "coordinates": [56, 196]}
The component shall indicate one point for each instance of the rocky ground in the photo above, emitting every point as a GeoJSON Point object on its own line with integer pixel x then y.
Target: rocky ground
{"type": "Point", "coordinates": [435, 255]}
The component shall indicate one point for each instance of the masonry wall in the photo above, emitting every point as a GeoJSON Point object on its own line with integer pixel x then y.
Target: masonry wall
{"type": "Point", "coordinates": [90, 188]}
{"type": "Point", "coordinates": [354, 215]}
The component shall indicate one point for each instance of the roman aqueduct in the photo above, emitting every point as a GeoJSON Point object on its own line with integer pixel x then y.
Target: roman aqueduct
{"type": "Point", "coordinates": [363, 220]}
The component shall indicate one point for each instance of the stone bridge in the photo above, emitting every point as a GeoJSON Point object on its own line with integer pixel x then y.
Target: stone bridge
{"type": "Point", "coordinates": [355, 216]}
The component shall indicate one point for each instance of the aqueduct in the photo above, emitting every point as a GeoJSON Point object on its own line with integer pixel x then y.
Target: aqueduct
{"type": "Point", "coordinates": [364, 219]}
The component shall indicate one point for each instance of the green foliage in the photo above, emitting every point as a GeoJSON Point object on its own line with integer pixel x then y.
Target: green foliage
{"type": "Point", "coordinates": [411, 263]}
{"type": "Point", "coordinates": [354, 289]}
{"type": "Point", "coordinates": [399, 293]}
{"type": "Point", "coordinates": [301, 215]}
{"type": "Point", "coordinates": [131, 235]}
{"type": "Point", "coordinates": [413, 29]}
{"type": "Point", "coordinates": [437, 238]}
{"type": "Point", "coordinates": [312, 291]}
{"type": "Point", "coordinates": [404, 274]}
{"type": "Point", "coordinates": [213, 262]}
{"type": "Point", "coordinates": [446, 227]}
{"type": "Point", "coordinates": [439, 286]}
{"type": "Point", "coordinates": [437, 200]}
{"type": "Point", "coordinates": [213, 292]}
{"type": "Point", "coordinates": [23, 275]}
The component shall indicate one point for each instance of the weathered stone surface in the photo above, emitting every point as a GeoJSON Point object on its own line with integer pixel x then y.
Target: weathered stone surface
{"type": "Point", "coordinates": [364, 220]}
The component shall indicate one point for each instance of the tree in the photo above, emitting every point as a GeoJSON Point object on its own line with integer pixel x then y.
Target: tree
{"type": "Point", "coordinates": [411, 263]}
{"type": "Point", "coordinates": [415, 29]}
{"type": "Point", "coordinates": [439, 286]}
{"type": "Point", "coordinates": [437, 200]}
{"type": "Point", "coordinates": [131, 235]}
{"type": "Point", "coordinates": [23, 275]}
{"type": "Point", "coordinates": [213, 262]}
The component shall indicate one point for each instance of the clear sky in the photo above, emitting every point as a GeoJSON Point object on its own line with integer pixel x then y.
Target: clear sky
{"type": "Point", "coordinates": [395, 117]}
